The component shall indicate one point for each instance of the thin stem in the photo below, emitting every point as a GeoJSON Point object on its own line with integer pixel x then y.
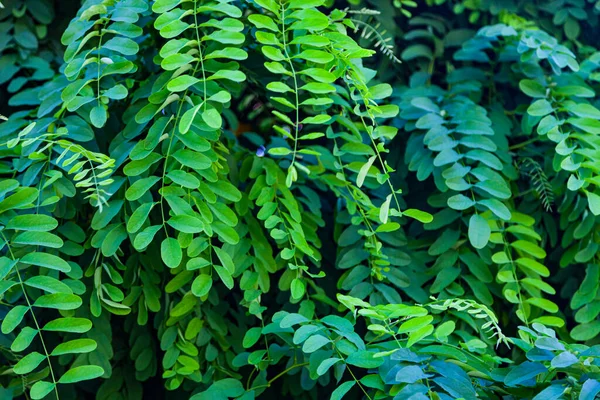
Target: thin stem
{"type": "Point", "coordinates": [270, 382]}
{"type": "Point", "coordinates": [297, 105]}
{"type": "Point", "coordinates": [523, 144]}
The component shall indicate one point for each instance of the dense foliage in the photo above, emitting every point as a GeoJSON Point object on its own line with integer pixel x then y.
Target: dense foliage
{"type": "Point", "coordinates": [215, 199]}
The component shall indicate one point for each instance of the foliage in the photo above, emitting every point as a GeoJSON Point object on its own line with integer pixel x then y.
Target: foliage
{"type": "Point", "coordinates": [251, 198]}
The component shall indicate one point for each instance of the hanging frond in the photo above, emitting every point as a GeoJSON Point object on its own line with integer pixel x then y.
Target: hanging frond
{"type": "Point", "coordinates": [374, 33]}
{"type": "Point", "coordinates": [542, 186]}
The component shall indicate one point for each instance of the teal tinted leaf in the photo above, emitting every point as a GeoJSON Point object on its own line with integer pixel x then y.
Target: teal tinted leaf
{"type": "Point", "coordinates": [6, 265]}
{"type": "Point", "coordinates": [589, 389]}
{"type": "Point", "coordinates": [98, 116]}
{"type": "Point", "coordinates": [314, 343]}
{"type": "Point", "coordinates": [479, 231]}
{"type": "Point", "coordinates": [326, 364]}
{"type": "Point", "coordinates": [539, 108]}
{"type": "Point", "coordinates": [292, 319]}
{"type": "Point", "coordinates": [341, 390]}
{"type": "Point", "coordinates": [523, 372]}
{"type": "Point", "coordinates": [460, 202]}
{"type": "Point", "coordinates": [564, 360]}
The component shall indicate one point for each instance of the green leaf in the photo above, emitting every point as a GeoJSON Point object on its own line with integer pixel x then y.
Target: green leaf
{"type": "Point", "coordinates": [583, 110]}
{"type": "Point", "coordinates": [45, 239]}
{"type": "Point", "coordinates": [139, 217]}
{"type": "Point", "coordinates": [81, 373]}
{"type": "Point", "coordinates": [69, 325]}
{"type": "Point", "coordinates": [48, 284]}
{"type": "Point", "coordinates": [140, 187]}
{"type": "Point", "coordinates": [41, 389]}
{"type": "Point", "coordinates": [13, 318]}
{"type": "Point", "coordinates": [28, 363]}
{"type": "Point", "coordinates": [251, 337]}
{"type": "Point", "coordinates": [364, 359]}
{"type": "Point", "coordinates": [182, 83]}
{"type": "Point", "coordinates": [263, 22]}
{"type": "Point", "coordinates": [212, 118]}
{"type": "Point", "coordinates": [192, 159]}
{"type": "Point", "coordinates": [414, 324]}
{"type": "Point", "coordinates": [23, 198]}
{"type": "Point", "coordinates": [589, 125]}
{"type": "Point", "coordinates": [59, 301]}
{"type": "Point", "coordinates": [23, 339]}
{"type": "Point", "coordinates": [32, 222]}
{"type": "Point", "coordinates": [421, 333]}
{"type": "Point", "coordinates": [495, 206]}
{"type": "Point", "coordinates": [384, 210]}
{"type": "Point", "coordinates": [419, 215]}
{"type": "Point", "coordinates": [298, 288]}
{"type": "Point", "coordinates": [444, 330]}
{"type": "Point", "coordinates": [186, 223]}
{"type": "Point", "coordinates": [170, 252]}
{"type": "Point", "coordinates": [122, 45]}
{"type": "Point", "coordinates": [532, 88]}
{"type": "Point", "coordinates": [364, 170]}
{"type": "Point", "coordinates": [46, 260]}
{"type": "Point", "coordinates": [593, 202]}
{"type": "Point", "coordinates": [544, 304]}
{"type": "Point", "coordinates": [316, 56]}
{"type": "Point", "coordinates": [479, 231]}
{"type": "Point", "coordinates": [529, 248]}
{"type": "Point", "coordinates": [74, 347]}
{"type": "Point", "coordinates": [201, 285]}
